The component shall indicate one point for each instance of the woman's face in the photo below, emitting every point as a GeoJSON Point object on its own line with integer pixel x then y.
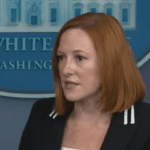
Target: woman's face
{"type": "Point", "coordinates": [80, 67]}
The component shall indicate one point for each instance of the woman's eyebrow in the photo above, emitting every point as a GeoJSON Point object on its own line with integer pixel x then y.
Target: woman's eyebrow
{"type": "Point", "coordinates": [75, 51]}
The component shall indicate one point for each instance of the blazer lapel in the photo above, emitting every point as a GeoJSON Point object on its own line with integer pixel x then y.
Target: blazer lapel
{"type": "Point", "coordinates": [53, 136]}
{"type": "Point", "coordinates": [120, 135]}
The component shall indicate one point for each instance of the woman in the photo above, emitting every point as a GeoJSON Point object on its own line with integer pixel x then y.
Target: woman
{"type": "Point", "coordinates": [99, 92]}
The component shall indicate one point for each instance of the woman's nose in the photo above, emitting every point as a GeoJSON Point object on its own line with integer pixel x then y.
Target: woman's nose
{"type": "Point", "coordinates": [68, 67]}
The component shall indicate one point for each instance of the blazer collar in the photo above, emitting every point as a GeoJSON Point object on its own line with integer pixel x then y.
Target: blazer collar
{"type": "Point", "coordinates": [117, 119]}
{"type": "Point", "coordinates": [122, 128]}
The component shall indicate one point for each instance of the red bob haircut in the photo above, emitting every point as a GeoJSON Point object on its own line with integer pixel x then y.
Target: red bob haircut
{"type": "Point", "coordinates": [121, 85]}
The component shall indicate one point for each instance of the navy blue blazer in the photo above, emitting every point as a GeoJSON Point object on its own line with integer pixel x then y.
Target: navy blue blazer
{"type": "Point", "coordinates": [44, 129]}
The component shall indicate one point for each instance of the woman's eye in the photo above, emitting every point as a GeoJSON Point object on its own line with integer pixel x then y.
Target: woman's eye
{"type": "Point", "coordinates": [58, 56]}
{"type": "Point", "coordinates": [78, 56]}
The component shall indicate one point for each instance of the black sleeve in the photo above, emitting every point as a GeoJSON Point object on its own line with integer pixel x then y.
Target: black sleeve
{"type": "Point", "coordinates": [147, 146]}
{"type": "Point", "coordinates": [26, 138]}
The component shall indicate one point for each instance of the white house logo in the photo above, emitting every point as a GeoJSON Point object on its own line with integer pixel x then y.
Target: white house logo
{"type": "Point", "coordinates": [28, 31]}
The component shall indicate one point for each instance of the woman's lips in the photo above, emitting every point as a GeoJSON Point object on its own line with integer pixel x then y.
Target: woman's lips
{"type": "Point", "coordinates": [70, 85]}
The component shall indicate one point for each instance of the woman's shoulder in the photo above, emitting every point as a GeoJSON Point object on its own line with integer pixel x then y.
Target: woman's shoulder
{"type": "Point", "coordinates": [144, 106]}
{"type": "Point", "coordinates": [44, 104]}
{"type": "Point", "coordinates": [45, 101]}
{"type": "Point", "coordinates": [142, 112]}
